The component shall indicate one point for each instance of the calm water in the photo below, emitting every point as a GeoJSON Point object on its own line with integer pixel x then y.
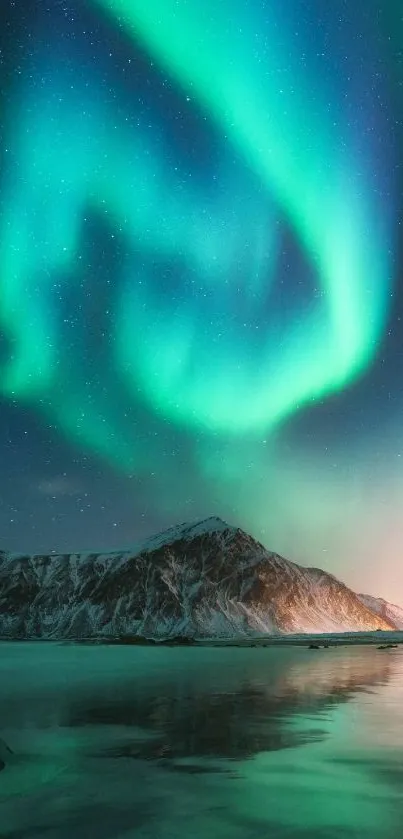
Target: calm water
{"type": "Point", "coordinates": [118, 742]}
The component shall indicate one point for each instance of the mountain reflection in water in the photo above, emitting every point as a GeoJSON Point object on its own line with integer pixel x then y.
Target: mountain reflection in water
{"type": "Point", "coordinates": [268, 742]}
{"type": "Point", "coordinates": [231, 721]}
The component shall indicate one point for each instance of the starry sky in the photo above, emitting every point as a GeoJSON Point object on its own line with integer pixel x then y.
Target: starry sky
{"type": "Point", "coordinates": [201, 276]}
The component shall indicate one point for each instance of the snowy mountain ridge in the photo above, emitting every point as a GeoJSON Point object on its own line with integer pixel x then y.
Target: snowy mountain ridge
{"type": "Point", "coordinates": [200, 579]}
{"type": "Point", "coordinates": [186, 530]}
{"type": "Point", "coordinates": [388, 611]}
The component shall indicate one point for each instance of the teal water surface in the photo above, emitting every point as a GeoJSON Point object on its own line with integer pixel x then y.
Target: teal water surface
{"type": "Point", "coordinates": [121, 742]}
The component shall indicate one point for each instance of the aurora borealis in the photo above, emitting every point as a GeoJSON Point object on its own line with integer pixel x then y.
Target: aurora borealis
{"type": "Point", "coordinates": [199, 268]}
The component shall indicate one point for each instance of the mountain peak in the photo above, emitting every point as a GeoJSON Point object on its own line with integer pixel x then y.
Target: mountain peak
{"type": "Point", "coordinates": [200, 578]}
{"type": "Point", "coordinates": [186, 530]}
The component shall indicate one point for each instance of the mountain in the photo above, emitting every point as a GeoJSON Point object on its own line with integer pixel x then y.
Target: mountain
{"type": "Point", "coordinates": [201, 579]}
{"type": "Point", "coordinates": [387, 611]}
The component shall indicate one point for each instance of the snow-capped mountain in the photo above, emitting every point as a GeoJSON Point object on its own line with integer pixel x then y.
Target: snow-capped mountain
{"type": "Point", "coordinates": [390, 613]}
{"type": "Point", "coordinates": [201, 579]}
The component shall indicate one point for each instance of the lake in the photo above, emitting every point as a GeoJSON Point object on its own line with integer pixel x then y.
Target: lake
{"type": "Point", "coordinates": [121, 742]}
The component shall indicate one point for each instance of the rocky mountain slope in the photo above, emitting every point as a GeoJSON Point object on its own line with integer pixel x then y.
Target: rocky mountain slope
{"type": "Point", "coordinates": [201, 579]}
{"type": "Point", "coordinates": [387, 611]}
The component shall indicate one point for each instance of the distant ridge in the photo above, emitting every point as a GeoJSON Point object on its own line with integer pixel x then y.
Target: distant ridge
{"type": "Point", "coordinates": [390, 613]}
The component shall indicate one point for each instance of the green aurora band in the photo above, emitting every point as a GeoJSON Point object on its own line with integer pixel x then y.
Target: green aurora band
{"type": "Point", "coordinates": [196, 372]}
{"type": "Point", "coordinates": [314, 175]}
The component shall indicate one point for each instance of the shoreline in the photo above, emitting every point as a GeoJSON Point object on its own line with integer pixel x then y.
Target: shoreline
{"type": "Point", "coordinates": [379, 638]}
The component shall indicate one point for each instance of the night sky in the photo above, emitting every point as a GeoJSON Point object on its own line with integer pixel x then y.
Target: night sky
{"type": "Point", "coordinates": [201, 307]}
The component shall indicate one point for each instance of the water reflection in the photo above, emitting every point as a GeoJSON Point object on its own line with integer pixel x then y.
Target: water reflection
{"type": "Point", "coordinates": [189, 719]}
{"type": "Point", "coordinates": [283, 743]}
